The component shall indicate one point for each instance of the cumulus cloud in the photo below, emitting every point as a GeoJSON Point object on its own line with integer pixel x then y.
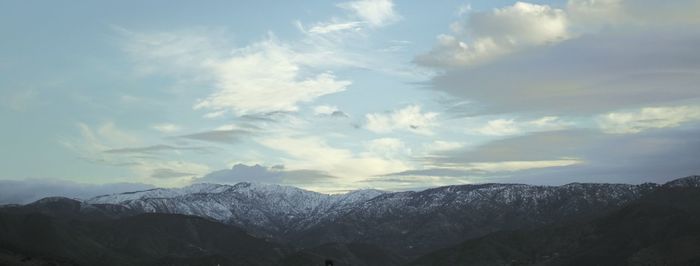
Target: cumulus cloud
{"type": "Point", "coordinates": [29, 190]}
{"type": "Point", "coordinates": [591, 74]}
{"type": "Point", "coordinates": [583, 59]}
{"type": "Point", "coordinates": [410, 118]}
{"type": "Point", "coordinates": [265, 77]}
{"type": "Point", "coordinates": [483, 36]}
{"type": "Point", "coordinates": [647, 118]}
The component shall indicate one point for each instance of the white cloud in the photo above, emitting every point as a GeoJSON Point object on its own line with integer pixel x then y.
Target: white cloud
{"type": "Point", "coordinates": [484, 36]}
{"type": "Point", "coordinates": [409, 118]}
{"type": "Point", "coordinates": [325, 28]}
{"type": "Point", "coordinates": [375, 12]}
{"type": "Point", "coordinates": [504, 127]}
{"type": "Point", "coordinates": [325, 110]}
{"type": "Point", "coordinates": [499, 127]}
{"type": "Point", "coordinates": [314, 153]}
{"type": "Point", "coordinates": [166, 127]}
{"type": "Point", "coordinates": [647, 118]}
{"type": "Point", "coordinates": [266, 77]}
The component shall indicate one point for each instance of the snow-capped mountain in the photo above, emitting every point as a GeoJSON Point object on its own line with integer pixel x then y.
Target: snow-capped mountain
{"type": "Point", "coordinates": [420, 221]}
{"type": "Point", "coordinates": [401, 220]}
{"type": "Point", "coordinates": [502, 222]}
{"type": "Point", "coordinates": [266, 210]}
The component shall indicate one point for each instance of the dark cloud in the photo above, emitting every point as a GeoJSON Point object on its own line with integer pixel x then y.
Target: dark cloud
{"type": "Point", "coordinates": [652, 156]}
{"type": "Point", "coordinates": [26, 191]}
{"type": "Point", "coordinates": [586, 75]}
{"type": "Point", "coordinates": [549, 145]}
{"type": "Point", "coordinates": [154, 149]}
{"type": "Point", "coordinates": [219, 136]}
{"type": "Point", "coordinates": [262, 174]}
{"type": "Point", "coordinates": [339, 114]}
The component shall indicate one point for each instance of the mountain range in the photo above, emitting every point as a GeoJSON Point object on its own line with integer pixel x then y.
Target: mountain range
{"type": "Point", "coordinates": [258, 224]}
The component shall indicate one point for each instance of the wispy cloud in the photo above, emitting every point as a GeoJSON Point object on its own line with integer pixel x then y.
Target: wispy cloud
{"type": "Point", "coordinates": [504, 127]}
{"type": "Point", "coordinates": [154, 149]}
{"type": "Point", "coordinates": [166, 128]}
{"type": "Point", "coordinates": [648, 118]}
{"type": "Point", "coordinates": [375, 12]}
{"type": "Point", "coordinates": [226, 136]}
{"type": "Point", "coordinates": [410, 118]}
{"type": "Point", "coordinates": [104, 145]}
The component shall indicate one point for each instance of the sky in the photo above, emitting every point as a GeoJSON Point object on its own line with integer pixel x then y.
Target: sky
{"type": "Point", "coordinates": [336, 96]}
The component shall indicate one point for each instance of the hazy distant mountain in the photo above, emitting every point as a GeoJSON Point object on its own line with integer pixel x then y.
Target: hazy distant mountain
{"type": "Point", "coordinates": [487, 224]}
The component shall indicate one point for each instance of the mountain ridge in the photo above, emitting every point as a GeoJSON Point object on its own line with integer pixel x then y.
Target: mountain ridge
{"type": "Point", "coordinates": [416, 221]}
{"type": "Point", "coordinates": [355, 228]}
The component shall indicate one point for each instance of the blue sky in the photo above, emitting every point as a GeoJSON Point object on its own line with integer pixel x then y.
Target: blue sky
{"type": "Point", "coordinates": [335, 96]}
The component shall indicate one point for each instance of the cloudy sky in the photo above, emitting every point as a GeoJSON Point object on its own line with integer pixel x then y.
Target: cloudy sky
{"type": "Point", "coordinates": [334, 96]}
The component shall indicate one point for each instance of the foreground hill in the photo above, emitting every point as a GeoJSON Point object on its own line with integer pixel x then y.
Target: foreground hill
{"type": "Point", "coordinates": [78, 236]}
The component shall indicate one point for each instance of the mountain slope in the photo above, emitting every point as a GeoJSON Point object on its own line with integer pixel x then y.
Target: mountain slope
{"type": "Point", "coordinates": [270, 211]}
{"type": "Point", "coordinates": [496, 224]}
{"type": "Point", "coordinates": [661, 228]}
{"type": "Point", "coordinates": [413, 223]}
{"type": "Point", "coordinates": [75, 237]}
